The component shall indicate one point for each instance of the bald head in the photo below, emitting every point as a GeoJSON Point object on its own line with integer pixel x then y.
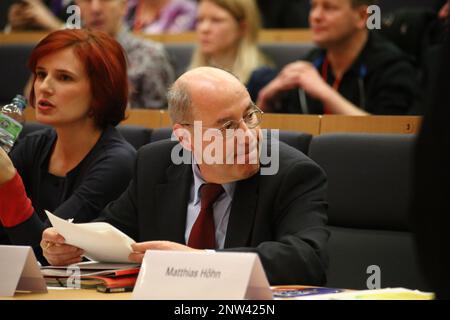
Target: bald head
{"type": "Point", "coordinates": [204, 104]}
{"type": "Point", "coordinates": [205, 86]}
{"type": "Point", "coordinates": [208, 78]}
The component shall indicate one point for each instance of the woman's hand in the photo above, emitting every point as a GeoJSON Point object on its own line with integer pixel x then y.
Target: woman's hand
{"type": "Point", "coordinates": [7, 170]}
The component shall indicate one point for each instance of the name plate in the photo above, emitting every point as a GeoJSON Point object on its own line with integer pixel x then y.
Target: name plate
{"type": "Point", "coordinates": [207, 276]}
{"type": "Point", "coordinates": [19, 270]}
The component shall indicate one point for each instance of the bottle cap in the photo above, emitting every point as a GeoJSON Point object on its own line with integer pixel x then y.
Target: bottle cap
{"type": "Point", "coordinates": [20, 101]}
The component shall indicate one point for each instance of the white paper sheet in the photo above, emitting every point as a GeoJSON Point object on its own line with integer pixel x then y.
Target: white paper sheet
{"type": "Point", "coordinates": [100, 241]}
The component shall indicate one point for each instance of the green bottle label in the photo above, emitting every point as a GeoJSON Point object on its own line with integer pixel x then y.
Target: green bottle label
{"type": "Point", "coordinates": [9, 126]}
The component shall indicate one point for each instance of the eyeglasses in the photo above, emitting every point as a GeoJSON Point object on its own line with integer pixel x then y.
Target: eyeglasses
{"type": "Point", "coordinates": [252, 119]}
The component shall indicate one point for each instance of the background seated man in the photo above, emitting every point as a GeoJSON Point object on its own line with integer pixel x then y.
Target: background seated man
{"type": "Point", "coordinates": [354, 71]}
{"type": "Point", "coordinates": [149, 72]}
{"type": "Point", "coordinates": [280, 216]}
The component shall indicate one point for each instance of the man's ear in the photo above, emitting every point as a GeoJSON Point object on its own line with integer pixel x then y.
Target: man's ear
{"type": "Point", "coordinates": [362, 16]}
{"type": "Point", "coordinates": [183, 135]}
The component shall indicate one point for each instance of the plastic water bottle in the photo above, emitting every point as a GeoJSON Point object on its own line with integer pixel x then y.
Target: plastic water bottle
{"type": "Point", "coordinates": [11, 122]}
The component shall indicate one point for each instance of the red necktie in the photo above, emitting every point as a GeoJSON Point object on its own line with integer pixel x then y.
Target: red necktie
{"type": "Point", "coordinates": [203, 233]}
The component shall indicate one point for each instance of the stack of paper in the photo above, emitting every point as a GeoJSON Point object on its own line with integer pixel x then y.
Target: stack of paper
{"type": "Point", "coordinates": [92, 275]}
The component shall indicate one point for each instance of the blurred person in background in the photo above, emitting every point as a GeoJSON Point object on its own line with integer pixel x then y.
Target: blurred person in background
{"type": "Point", "coordinates": [48, 15]}
{"type": "Point", "coordinates": [353, 72]}
{"type": "Point", "coordinates": [227, 33]}
{"type": "Point", "coordinates": [161, 16]}
{"type": "Point", "coordinates": [149, 70]}
{"type": "Point", "coordinates": [431, 65]}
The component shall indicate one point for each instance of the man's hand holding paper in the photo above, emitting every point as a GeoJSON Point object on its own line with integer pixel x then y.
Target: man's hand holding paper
{"type": "Point", "coordinates": [56, 251]}
{"type": "Point", "coordinates": [98, 241]}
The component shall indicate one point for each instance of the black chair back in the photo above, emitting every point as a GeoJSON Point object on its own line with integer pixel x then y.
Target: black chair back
{"type": "Point", "coordinates": [135, 135]}
{"type": "Point", "coordinates": [369, 179]}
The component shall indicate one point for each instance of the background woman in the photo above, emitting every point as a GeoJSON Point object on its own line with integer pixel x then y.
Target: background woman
{"type": "Point", "coordinates": [227, 32]}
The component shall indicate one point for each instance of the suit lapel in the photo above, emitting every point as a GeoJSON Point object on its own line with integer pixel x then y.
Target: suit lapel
{"type": "Point", "coordinates": [172, 200]}
{"type": "Point", "coordinates": [243, 211]}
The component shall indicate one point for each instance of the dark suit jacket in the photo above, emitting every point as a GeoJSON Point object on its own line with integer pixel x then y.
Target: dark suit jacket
{"type": "Point", "coordinates": [280, 217]}
{"type": "Point", "coordinates": [430, 207]}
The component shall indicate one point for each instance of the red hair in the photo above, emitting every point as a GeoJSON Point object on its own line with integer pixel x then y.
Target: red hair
{"type": "Point", "coordinates": [105, 64]}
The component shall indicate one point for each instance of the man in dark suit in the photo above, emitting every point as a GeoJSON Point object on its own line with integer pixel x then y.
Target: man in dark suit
{"type": "Point", "coordinates": [280, 215]}
{"type": "Point", "coordinates": [430, 208]}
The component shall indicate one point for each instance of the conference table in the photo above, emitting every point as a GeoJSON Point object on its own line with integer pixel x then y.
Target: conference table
{"type": "Point", "coordinates": [69, 294]}
{"type": "Point", "coordinates": [92, 294]}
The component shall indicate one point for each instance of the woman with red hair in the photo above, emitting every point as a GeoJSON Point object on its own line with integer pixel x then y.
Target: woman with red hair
{"type": "Point", "coordinates": [81, 164]}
